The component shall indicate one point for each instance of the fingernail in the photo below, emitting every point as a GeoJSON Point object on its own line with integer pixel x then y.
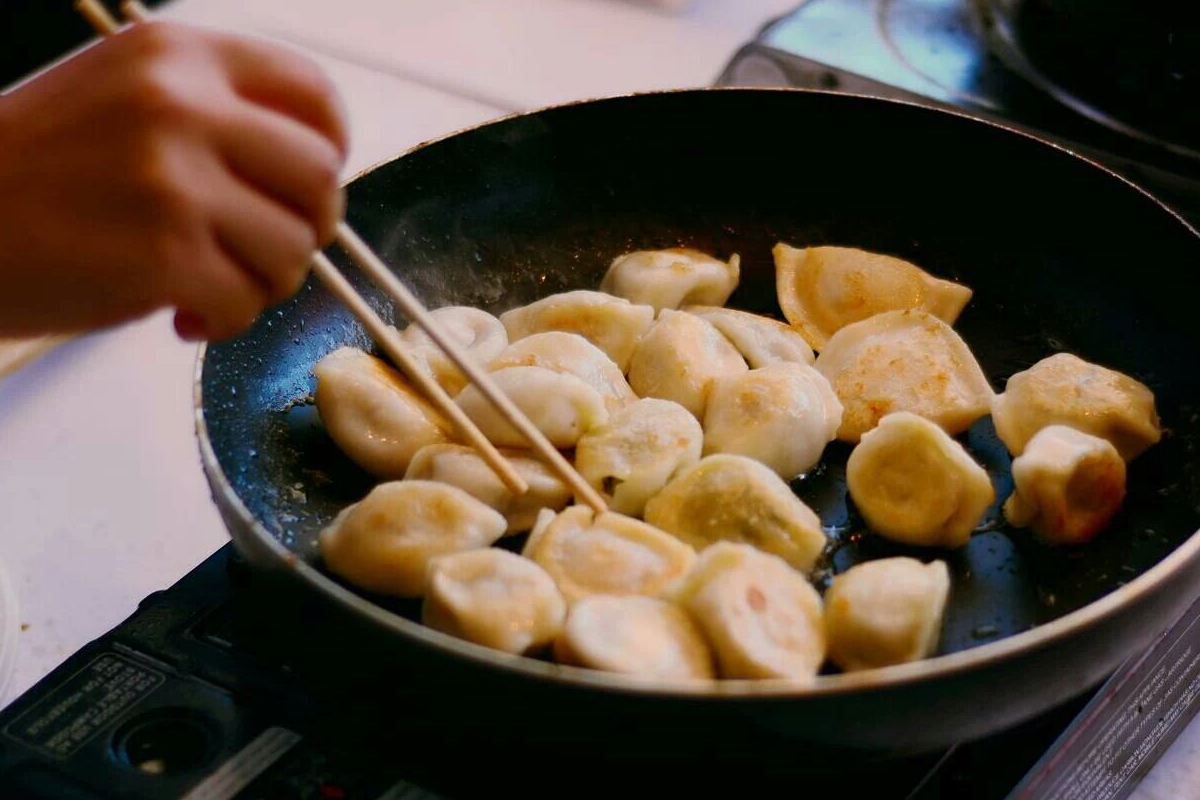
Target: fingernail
{"type": "Point", "coordinates": [189, 326]}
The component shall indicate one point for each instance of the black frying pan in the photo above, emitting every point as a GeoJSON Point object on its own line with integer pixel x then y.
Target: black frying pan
{"type": "Point", "coordinates": [1061, 254]}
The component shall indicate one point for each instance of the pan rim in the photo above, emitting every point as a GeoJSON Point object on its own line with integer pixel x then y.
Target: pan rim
{"type": "Point", "coordinates": [879, 678]}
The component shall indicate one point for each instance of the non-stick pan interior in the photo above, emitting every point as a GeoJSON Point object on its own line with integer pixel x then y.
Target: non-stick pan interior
{"type": "Point", "coordinates": [1061, 255]}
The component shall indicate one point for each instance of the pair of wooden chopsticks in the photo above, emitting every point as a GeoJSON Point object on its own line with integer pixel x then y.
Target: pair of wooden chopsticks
{"type": "Point", "coordinates": [389, 340]}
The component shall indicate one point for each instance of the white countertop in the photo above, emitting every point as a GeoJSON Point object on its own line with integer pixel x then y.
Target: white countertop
{"type": "Point", "coordinates": [100, 484]}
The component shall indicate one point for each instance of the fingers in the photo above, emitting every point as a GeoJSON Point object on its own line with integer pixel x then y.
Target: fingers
{"type": "Point", "coordinates": [189, 326]}
{"type": "Point", "coordinates": [287, 82]}
{"type": "Point", "coordinates": [267, 241]}
{"type": "Point", "coordinates": [217, 298]}
{"type": "Point", "coordinates": [288, 161]}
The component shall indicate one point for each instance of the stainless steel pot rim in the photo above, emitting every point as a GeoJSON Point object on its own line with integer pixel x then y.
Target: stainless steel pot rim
{"type": "Point", "coordinates": [929, 669]}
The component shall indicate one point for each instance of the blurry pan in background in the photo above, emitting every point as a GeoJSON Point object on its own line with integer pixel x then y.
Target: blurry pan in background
{"type": "Point", "coordinates": [1134, 64]}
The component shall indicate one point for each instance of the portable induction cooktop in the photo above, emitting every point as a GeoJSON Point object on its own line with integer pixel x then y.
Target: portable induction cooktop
{"type": "Point", "coordinates": [208, 692]}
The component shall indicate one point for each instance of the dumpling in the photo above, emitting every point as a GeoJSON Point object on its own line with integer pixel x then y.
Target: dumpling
{"type": "Point", "coordinates": [677, 276]}
{"type": "Point", "coordinates": [561, 406]}
{"type": "Point", "coordinates": [633, 635]}
{"type": "Point", "coordinates": [737, 499]}
{"type": "Point", "coordinates": [494, 598]}
{"type": "Point", "coordinates": [762, 618]}
{"type": "Point", "coordinates": [459, 465]}
{"type": "Point", "coordinates": [914, 484]}
{"type": "Point", "coordinates": [384, 542]}
{"type": "Point", "coordinates": [372, 414]}
{"type": "Point", "coordinates": [903, 361]}
{"type": "Point", "coordinates": [474, 330]}
{"type": "Point", "coordinates": [885, 612]}
{"type": "Point", "coordinates": [782, 415]}
{"type": "Point", "coordinates": [608, 553]}
{"type": "Point", "coordinates": [1068, 485]}
{"type": "Point", "coordinates": [611, 323]}
{"type": "Point", "coordinates": [760, 340]}
{"type": "Point", "coordinates": [633, 455]}
{"type": "Point", "coordinates": [574, 355]}
{"type": "Point", "coordinates": [823, 289]}
{"type": "Point", "coordinates": [1066, 390]}
{"type": "Point", "coordinates": [679, 358]}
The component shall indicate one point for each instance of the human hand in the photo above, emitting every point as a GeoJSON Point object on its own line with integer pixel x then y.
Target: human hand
{"type": "Point", "coordinates": [165, 166]}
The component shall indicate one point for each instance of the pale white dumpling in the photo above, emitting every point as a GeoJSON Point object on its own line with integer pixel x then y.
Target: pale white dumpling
{"type": "Point", "coordinates": [459, 465]}
{"type": "Point", "coordinates": [677, 276]}
{"type": "Point", "coordinates": [372, 414]}
{"type": "Point", "coordinates": [914, 484]}
{"type": "Point", "coordinates": [782, 415]}
{"type": "Point", "coordinates": [823, 289]}
{"type": "Point", "coordinates": [679, 358]}
{"type": "Point", "coordinates": [385, 542]}
{"type": "Point", "coordinates": [474, 330]}
{"type": "Point", "coordinates": [903, 361]}
{"type": "Point", "coordinates": [633, 455]}
{"type": "Point", "coordinates": [762, 618]}
{"type": "Point", "coordinates": [1068, 485]}
{"type": "Point", "coordinates": [494, 598]}
{"type": "Point", "coordinates": [561, 406]}
{"type": "Point", "coordinates": [736, 499]}
{"type": "Point", "coordinates": [574, 355]}
{"type": "Point", "coordinates": [1066, 390]}
{"type": "Point", "coordinates": [885, 612]}
{"type": "Point", "coordinates": [608, 553]}
{"type": "Point", "coordinates": [633, 635]}
{"type": "Point", "coordinates": [760, 340]}
{"type": "Point", "coordinates": [611, 323]}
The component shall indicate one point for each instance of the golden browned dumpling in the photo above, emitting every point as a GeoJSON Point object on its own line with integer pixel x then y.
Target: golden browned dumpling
{"type": "Point", "coordinates": [384, 542]}
{"type": "Point", "coordinates": [760, 340]}
{"type": "Point", "coordinates": [559, 405]}
{"type": "Point", "coordinates": [1066, 390]}
{"type": "Point", "coordinates": [474, 330]}
{"type": "Point", "coordinates": [459, 465]}
{"type": "Point", "coordinates": [914, 484]}
{"type": "Point", "coordinates": [572, 354]}
{"type": "Point", "coordinates": [884, 612]}
{"type": "Point", "coordinates": [679, 358]}
{"type": "Point", "coordinates": [588, 553]}
{"type": "Point", "coordinates": [737, 499]}
{"type": "Point", "coordinates": [372, 414]}
{"type": "Point", "coordinates": [1068, 485]}
{"type": "Point", "coordinates": [633, 455]}
{"type": "Point", "coordinates": [494, 598]}
{"type": "Point", "coordinates": [903, 361]}
{"type": "Point", "coordinates": [633, 635]}
{"type": "Point", "coordinates": [824, 289]}
{"type": "Point", "coordinates": [782, 415]}
{"type": "Point", "coordinates": [762, 618]}
{"type": "Point", "coordinates": [671, 278]}
{"type": "Point", "coordinates": [611, 323]}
